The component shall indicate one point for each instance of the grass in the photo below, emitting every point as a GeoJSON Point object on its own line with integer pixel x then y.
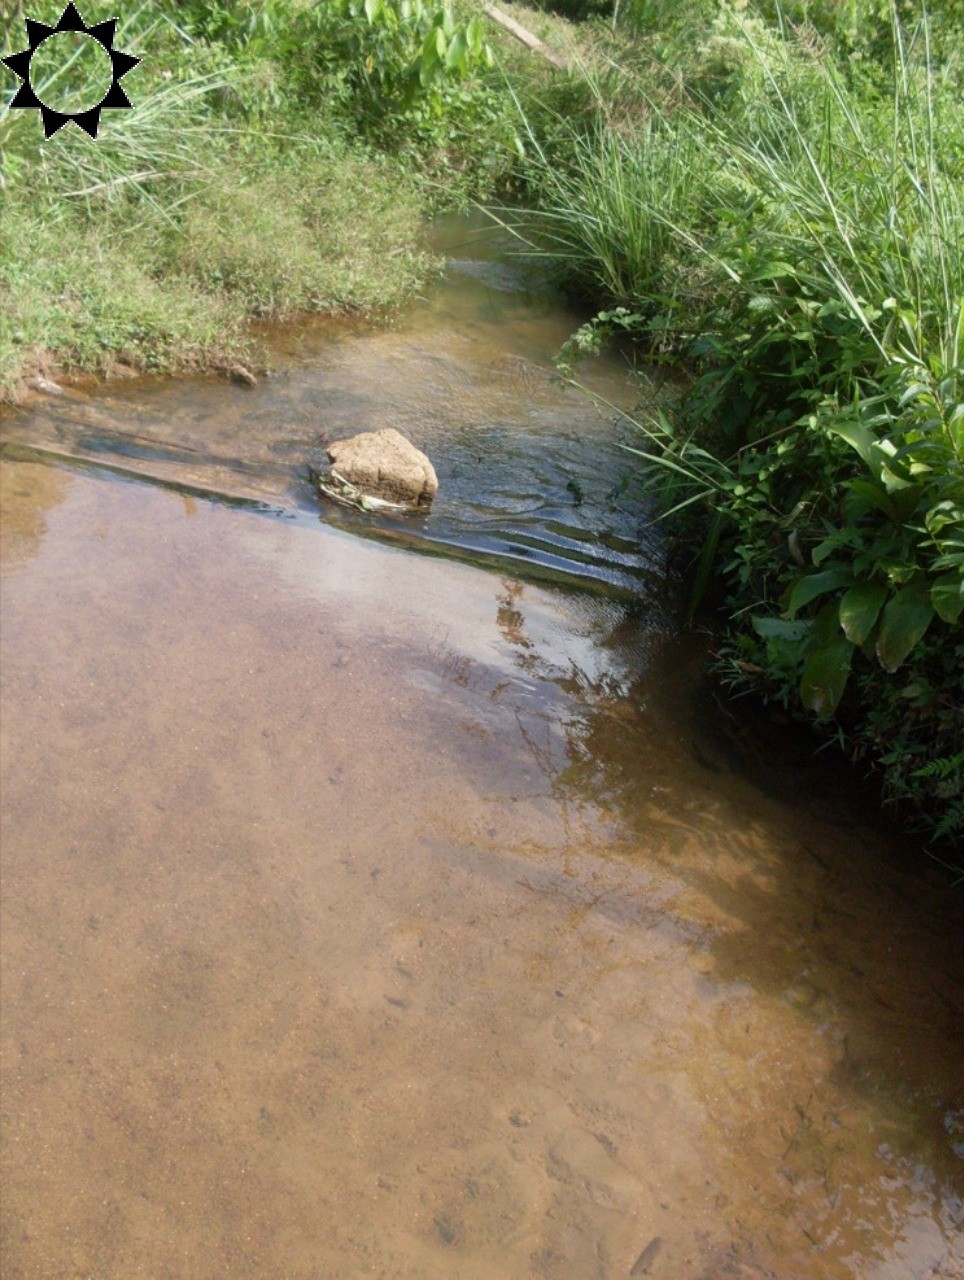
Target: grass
{"type": "Point", "coordinates": [607, 216]}
{"type": "Point", "coordinates": [321, 236]}
{"type": "Point", "coordinates": [798, 238]}
{"type": "Point", "coordinates": [200, 210]}
{"type": "Point", "coordinates": [156, 288]}
{"type": "Point", "coordinates": [100, 302]}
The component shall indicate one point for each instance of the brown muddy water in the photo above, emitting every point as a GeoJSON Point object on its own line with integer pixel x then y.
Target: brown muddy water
{"type": "Point", "coordinates": [371, 913]}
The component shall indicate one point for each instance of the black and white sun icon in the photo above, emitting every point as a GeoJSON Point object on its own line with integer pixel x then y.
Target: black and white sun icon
{"type": "Point", "coordinates": [28, 99]}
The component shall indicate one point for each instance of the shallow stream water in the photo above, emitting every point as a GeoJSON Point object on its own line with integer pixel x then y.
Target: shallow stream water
{"type": "Point", "coordinates": [373, 913]}
{"type": "Point", "coordinates": [531, 472]}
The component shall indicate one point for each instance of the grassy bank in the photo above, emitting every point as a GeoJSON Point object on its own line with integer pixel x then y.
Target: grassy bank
{"type": "Point", "coordinates": [280, 159]}
{"type": "Point", "coordinates": [130, 285]}
{"type": "Point", "coordinates": [771, 196]}
{"type": "Point", "coordinates": [790, 222]}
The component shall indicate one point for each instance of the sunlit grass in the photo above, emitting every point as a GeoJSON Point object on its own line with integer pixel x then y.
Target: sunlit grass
{"type": "Point", "coordinates": [801, 245]}
{"type": "Point", "coordinates": [156, 242]}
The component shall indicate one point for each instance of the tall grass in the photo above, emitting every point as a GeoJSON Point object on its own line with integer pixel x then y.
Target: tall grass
{"type": "Point", "coordinates": [166, 142]}
{"type": "Point", "coordinates": [188, 215]}
{"type": "Point", "coordinates": [608, 215]}
{"type": "Point", "coordinates": [801, 243]}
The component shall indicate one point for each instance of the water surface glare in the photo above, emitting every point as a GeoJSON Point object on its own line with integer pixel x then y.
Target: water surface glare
{"type": "Point", "coordinates": [365, 914]}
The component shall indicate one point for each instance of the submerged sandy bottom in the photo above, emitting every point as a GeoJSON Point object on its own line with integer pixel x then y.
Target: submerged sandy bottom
{"type": "Point", "coordinates": [365, 914]}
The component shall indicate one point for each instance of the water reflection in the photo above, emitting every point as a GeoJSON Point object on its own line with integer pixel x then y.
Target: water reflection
{"type": "Point", "coordinates": [27, 496]}
{"type": "Point", "coordinates": [366, 913]}
{"type": "Point", "coordinates": [851, 1044]}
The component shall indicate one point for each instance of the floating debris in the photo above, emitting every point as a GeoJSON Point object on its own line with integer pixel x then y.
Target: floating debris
{"type": "Point", "coordinates": [335, 486]}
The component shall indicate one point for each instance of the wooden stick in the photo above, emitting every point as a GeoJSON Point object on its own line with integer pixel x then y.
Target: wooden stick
{"type": "Point", "coordinates": [527, 38]}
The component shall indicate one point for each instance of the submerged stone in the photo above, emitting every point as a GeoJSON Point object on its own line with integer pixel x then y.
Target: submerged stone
{"type": "Point", "coordinates": [383, 464]}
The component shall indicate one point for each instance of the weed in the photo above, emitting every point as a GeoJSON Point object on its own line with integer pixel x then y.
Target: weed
{"type": "Point", "coordinates": [798, 238]}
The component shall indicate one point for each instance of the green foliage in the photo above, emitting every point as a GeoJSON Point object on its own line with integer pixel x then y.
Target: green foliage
{"type": "Point", "coordinates": [798, 235]}
{"type": "Point", "coordinates": [221, 196]}
{"type": "Point", "coordinates": [411, 78]}
{"type": "Point", "coordinates": [391, 53]}
{"type": "Point", "coordinates": [403, 76]}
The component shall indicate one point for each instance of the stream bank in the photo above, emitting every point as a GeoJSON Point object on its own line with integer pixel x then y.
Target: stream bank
{"type": "Point", "coordinates": [412, 915]}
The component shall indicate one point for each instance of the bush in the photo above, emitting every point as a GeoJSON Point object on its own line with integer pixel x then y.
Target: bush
{"type": "Point", "coordinates": [798, 237]}
{"type": "Point", "coordinates": [189, 214]}
{"type": "Point", "coordinates": [403, 76]}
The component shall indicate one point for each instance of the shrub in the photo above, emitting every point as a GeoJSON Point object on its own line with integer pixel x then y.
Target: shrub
{"type": "Point", "coordinates": [806, 255]}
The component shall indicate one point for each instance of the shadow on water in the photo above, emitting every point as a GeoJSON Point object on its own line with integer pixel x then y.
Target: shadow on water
{"type": "Point", "coordinates": [814, 907]}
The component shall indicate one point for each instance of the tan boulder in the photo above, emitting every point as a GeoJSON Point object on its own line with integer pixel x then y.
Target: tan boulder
{"type": "Point", "coordinates": [383, 464]}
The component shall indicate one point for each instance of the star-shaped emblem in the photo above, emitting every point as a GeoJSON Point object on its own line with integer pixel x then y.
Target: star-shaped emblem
{"type": "Point", "coordinates": [26, 97]}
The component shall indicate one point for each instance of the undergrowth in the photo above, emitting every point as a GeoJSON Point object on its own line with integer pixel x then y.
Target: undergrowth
{"type": "Point", "coordinates": [278, 159]}
{"type": "Point", "coordinates": [793, 229]}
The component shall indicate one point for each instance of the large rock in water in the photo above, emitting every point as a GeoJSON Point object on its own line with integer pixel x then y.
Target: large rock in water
{"type": "Point", "coordinates": [383, 464]}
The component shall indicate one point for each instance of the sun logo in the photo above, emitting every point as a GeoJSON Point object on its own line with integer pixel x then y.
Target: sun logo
{"type": "Point", "coordinates": [27, 98]}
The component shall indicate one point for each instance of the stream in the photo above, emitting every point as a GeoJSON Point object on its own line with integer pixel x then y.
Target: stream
{"type": "Point", "coordinates": [394, 898]}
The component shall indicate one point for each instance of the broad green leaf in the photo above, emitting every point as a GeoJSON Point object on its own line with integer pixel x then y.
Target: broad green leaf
{"type": "Point", "coordinates": [825, 676]}
{"type": "Point", "coordinates": [947, 596]}
{"type": "Point", "coordinates": [826, 626]}
{"type": "Point", "coordinates": [838, 539]}
{"type": "Point", "coordinates": [456, 56]}
{"type": "Point", "coordinates": [475, 35]}
{"type": "Point", "coordinates": [429, 62]}
{"type": "Point", "coordinates": [858, 436]}
{"type": "Point", "coordinates": [875, 495]}
{"type": "Point", "coordinates": [771, 271]}
{"type": "Point", "coordinates": [905, 619]}
{"type": "Point", "coordinates": [915, 389]}
{"type": "Point", "coordinates": [859, 609]}
{"type": "Point", "coordinates": [955, 561]}
{"type": "Point", "coordinates": [372, 9]}
{"type": "Point", "coordinates": [892, 481]}
{"type": "Point", "coordinates": [781, 628]}
{"type": "Point", "coordinates": [940, 516]}
{"type": "Point", "coordinates": [818, 584]}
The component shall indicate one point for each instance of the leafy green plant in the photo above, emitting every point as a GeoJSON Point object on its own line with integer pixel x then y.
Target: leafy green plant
{"type": "Point", "coordinates": [808, 262]}
{"type": "Point", "coordinates": [403, 47]}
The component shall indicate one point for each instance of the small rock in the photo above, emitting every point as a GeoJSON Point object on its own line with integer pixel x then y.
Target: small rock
{"type": "Point", "coordinates": [46, 386]}
{"type": "Point", "coordinates": [238, 373]}
{"type": "Point", "coordinates": [383, 464]}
